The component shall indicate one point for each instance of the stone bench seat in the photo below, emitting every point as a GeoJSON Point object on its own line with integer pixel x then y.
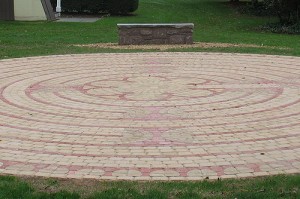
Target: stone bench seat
{"type": "Point", "coordinates": [141, 34]}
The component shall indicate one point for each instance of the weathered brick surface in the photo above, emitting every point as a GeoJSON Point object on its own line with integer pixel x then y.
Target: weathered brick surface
{"type": "Point", "coordinates": [139, 34]}
{"type": "Point", "coordinates": [150, 116]}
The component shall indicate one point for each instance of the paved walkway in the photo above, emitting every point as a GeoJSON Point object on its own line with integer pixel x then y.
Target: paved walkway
{"type": "Point", "coordinates": [78, 19]}
{"type": "Point", "coordinates": [160, 116]}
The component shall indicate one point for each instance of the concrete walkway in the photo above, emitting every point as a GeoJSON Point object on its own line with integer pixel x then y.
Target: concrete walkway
{"type": "Point", "coordinates": [150, 116]}
{"type": "Point", "coordinates": [79, 19]}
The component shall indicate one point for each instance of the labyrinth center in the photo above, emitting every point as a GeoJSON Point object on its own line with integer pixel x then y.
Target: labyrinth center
{"type": "Point", "coordinates": [141, 116]}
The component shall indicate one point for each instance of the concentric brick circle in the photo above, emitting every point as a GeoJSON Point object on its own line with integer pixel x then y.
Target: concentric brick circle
{"type": "Point", "coordinates": [141, 116]}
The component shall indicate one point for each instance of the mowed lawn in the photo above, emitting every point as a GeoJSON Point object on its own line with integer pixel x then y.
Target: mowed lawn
{"type": "Point", "coordinates": [215, 21]}
{"type": "Point", "coordinates": [42, 188]}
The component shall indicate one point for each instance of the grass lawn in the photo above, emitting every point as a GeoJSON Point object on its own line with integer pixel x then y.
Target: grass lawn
{"type": "Point", "coordinates": [263, 187]}
{"type": "Point", "coordinates": [215, 21]}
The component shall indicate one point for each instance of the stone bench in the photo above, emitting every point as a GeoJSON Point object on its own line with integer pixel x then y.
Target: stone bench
{"type": "Point", "coordinates": [139, 34]}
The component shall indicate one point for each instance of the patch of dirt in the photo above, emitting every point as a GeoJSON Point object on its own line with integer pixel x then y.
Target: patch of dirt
{"type": "Point", "coordinates": [176, 46]}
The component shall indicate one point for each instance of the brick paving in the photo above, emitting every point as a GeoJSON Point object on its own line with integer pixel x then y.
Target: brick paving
{"type": "Point", "coordinates": [150, 116]}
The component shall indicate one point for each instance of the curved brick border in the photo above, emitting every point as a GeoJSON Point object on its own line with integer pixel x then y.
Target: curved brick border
{"type": "Point", "coordinates": [160, 116]}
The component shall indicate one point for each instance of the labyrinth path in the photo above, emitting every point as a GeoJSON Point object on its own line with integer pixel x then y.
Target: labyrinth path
{"type": "Point", "coordinates": [150, 116]}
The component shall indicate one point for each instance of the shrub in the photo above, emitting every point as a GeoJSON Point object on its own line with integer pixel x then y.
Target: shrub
{"type": "Point", "coordinates": [288, 11]}
{"type": "Point", "coordinates": [122, 6]}
{"type": "Point", "coordinates": [259, 9]}
{"type": "Point", "coordinates": [279, 28]}
{"type": "Point", "coordinates": [95, 6]}
{"type": "Point", "coordinates": [92, 6]}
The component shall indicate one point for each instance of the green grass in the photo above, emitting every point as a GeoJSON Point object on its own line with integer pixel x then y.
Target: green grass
{"type": "Point", "coordinates": [264, 187]}
{"type": "Point", "coordinates": [215, 21]}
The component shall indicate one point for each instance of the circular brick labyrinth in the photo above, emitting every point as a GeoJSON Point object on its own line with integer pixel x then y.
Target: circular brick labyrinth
{"type": "Point", "coordinates": [160, 116]}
